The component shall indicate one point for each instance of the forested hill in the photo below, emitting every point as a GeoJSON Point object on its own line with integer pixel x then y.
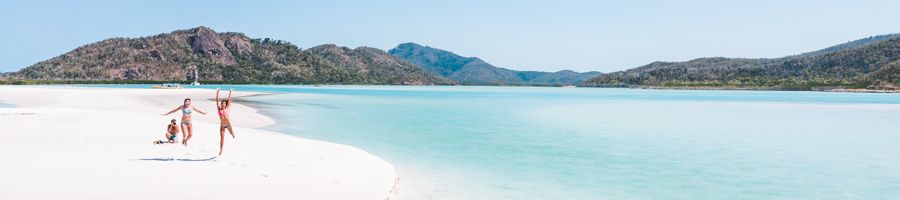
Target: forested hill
{"type": "Point", "coordinates": [474, 71]}
{"type": "Point", "coordinates": [226, 57]}
{"type": "Point", "coordinates": [870, 62]}
{"type": "Point", "coordinates": [851, 44]}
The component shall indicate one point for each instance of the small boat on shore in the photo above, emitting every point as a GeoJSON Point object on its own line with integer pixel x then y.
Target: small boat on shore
{"type": "Point", "coordinates": [167, 86]}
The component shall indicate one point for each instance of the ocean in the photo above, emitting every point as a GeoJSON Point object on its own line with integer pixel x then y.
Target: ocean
{"type": "Point", "coordinates": [470, 142]}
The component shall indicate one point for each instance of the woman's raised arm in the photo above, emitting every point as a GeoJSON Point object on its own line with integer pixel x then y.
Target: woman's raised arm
{"type": "Point", "coordinates": [229, 99]}
{"type": "Point", "coordinates": [218, 105]}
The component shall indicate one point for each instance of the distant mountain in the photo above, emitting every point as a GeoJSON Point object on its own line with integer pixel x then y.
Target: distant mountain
{"type": "Point", "coordinates": [474, 71]}
{"type": "Point", "coordinates": [226, 57]}
{"type": "Point", "coordinates": [868, 62]}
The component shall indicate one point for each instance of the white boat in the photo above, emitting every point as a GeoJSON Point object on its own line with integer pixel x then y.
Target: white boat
{"type": "Point", "coordinates": [167, 86]}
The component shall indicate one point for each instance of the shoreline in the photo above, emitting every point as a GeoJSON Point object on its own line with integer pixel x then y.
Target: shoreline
{"type": "Point", "coordinates": [863, 91]}
{"type": "Point", "coordinates": [772, 89]}
{"type": "Point", "coordinates": [257, 105]}
{"type": "Point", "coordinates": [95, 143]}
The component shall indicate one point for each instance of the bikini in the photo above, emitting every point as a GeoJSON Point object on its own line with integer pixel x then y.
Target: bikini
{"type": "Point", "coordinates": [186, 111]}
{"type": "Point", "coordinates": [223, 112]}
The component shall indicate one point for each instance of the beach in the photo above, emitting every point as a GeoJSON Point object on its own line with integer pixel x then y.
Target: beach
{"type": "Point", "coordinates": [63, 142]}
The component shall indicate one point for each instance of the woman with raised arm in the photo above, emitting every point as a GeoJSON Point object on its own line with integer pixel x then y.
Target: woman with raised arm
{"type": "Point", "coordinates": [186, 128]}
{"type": "Point", "coordinates": [224, 107]}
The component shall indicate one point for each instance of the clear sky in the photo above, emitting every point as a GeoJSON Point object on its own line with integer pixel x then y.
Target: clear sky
{"type": "Point", "coordinates": [526, 35]}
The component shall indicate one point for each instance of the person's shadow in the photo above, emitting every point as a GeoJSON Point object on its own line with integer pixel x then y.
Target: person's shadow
{"type": "Point", "coordinates": [179, 159]}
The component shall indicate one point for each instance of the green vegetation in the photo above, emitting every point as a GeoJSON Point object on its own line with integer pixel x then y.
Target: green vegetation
{"type": "Point", "coordinates": [223, 58]}
{"type": "Point", "coordinates": [474, 71]}
{"type": "Point", "coordinates": [68, 82]}
{"type": "Point", "coordinates": [870, 62]}
{"type": "Point", "coordinates": [888, 76]}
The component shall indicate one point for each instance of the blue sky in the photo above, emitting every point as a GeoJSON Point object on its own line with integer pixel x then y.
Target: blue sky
{"type": "Point", "coordinates": [526, 35]}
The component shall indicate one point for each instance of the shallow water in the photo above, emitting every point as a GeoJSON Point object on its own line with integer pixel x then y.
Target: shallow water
{"type": "Point", "coordinates": [591, 143]}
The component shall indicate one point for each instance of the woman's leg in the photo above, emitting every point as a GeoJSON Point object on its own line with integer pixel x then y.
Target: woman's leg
{"type": "Point", "coordinates": [231, 131]}
{"type": "Point", "coordinates": [184, 133]}
{"type": "Point", "coordinates": [221, 139]}
{"type": "Point", "coordinates": [190, 132]}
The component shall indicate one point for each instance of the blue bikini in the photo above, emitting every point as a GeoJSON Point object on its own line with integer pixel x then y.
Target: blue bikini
{"type": "Point", "coordinates": [186, 111]}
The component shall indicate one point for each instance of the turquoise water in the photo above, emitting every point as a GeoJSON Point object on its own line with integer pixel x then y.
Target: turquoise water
{"type": "Point", "coordinates": [591, 143]}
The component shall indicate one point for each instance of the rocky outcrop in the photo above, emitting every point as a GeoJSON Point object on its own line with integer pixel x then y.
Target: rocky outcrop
{"type": "Point", "coordinates": [206, 41]}
{"type": "Point", "coordinates": [240, 45]}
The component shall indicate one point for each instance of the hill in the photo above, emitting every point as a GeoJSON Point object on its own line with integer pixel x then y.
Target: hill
{"type": "Point", "coordinates": [868, 62]}
{"type": "Point", "coordinates": [226, 57]}
{"type": "Point", "coordinates": [474, 71]}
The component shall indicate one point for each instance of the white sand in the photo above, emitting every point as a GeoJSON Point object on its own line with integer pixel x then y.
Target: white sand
{"type": "Point", "coordinates": [93, 143]}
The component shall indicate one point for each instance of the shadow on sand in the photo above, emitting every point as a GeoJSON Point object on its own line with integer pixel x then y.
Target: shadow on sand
{"type": "Point", "coordinates": [178, 159]}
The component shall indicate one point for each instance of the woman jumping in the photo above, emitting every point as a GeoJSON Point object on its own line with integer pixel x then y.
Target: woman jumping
{"type": "Point", "coordinates": [186, 128]}
{"type": "Point", "coordinates": [224, 107]}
